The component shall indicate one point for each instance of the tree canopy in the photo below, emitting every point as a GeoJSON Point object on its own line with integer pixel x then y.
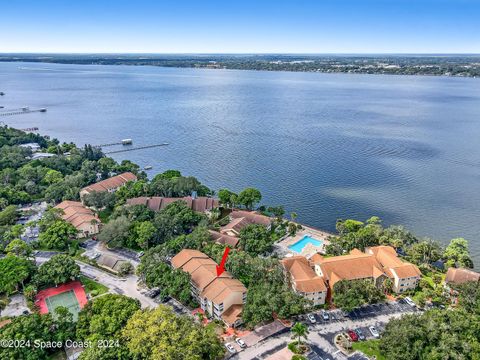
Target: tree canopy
{"type": "Point", "coordinates": [255, 239]}
{"type": "Point", "coordinates": [457, 254]}
{"type": "Point", "coordinates": [160, 334]}
{"type": "Point", "coordinates": [436, 334]}
{"type": "Point", "coordinates": [57, 235]}
{"type": "Point", "coordinates": [14, 271]}
{"type": "Point", "coordinates": [350, 294]}
{"type": "Point", "coordinates": [58, 270]}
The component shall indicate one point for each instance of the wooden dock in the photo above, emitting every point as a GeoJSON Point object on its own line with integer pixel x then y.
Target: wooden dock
{"type": "Point", "coordinates": [21, 111]}
{"type": "Point", "coordinates": [136, 148]}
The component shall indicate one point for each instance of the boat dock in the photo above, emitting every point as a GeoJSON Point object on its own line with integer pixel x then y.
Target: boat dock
{"type": "Point", "coordinates": [136, 148]}
{"type": "Point", "coordinates": [123, 142]}
{"type": "Point", "coordinates": [20, 111]}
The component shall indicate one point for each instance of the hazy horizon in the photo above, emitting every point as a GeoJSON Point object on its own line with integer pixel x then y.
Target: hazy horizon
{"type": "Point", "coordinates": [247, 27]}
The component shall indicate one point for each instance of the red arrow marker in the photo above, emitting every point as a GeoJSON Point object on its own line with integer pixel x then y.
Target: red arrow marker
{"type": "Point", "coordinates": [221, 267]}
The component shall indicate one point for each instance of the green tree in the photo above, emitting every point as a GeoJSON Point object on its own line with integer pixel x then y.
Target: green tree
{"type": "Point", "coordinates": [105, 316]}
{"type": "Point", "coordinates": [180, 338]}
{"type": "Point", "coordinates": [58, 270]}
{"type": "Point", "coordinates": [100, 200]}
{"type": "Point", "coordinates": [57, 235]}
{"type": "Point", "coordinates": [9, 215]}
{"type": "Point", "coordinates": [434, 334]}
{"type": "Point", "coordinates": [387, 286]}
{"type": "Point", "coordinates": [65, 325]}
{"type": "Point", "coordinates": [156, 273]}
{"type": "Point", "coordinates": [350, 294]}
{"type": "Point", "coordinates": [125, 269]}
{"type": "Point", "coordinates": [456, 253]}
{"type": "Point", "coordinates": [14, 271]}
{"type": "Point", "coordinates": [255, 239]}
{"type": "Point", "coordinates": [299, 331]}
{"type": "Point", "coordinates": [424, 252]}
{"type": "Point", "coordinates": [19, 247]}
{"type": "Point", "coordinates": [225, 197]}
{"type": "Point", "coordinates": [103, 319]}
{"type": "Point", "coordinates": [143, 233]}
{"type": "Point", "coordinates": [277, 211]}
{"type": "Point", "coordinates": [28, 328]}
{"type": "Point", "coordinates": [106, 166]}
{"type": "Point", "coordinates": [293, 215]}
{"type": "Point", "coordinates": [249, 197]}
{"type": "Point", "coordinates": [116, 232]}
{"type": "Point", "coordinates": [176, 219]}
{"type": "Point", "coordinates": [469, 296]}
{"type": "Point", "coordinates": [52, 177]}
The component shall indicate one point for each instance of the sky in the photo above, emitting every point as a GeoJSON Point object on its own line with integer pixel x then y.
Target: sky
{"type": "Point", "coordinates": [246, 26]}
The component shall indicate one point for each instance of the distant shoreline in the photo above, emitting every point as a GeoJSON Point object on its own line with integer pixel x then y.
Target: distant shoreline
{"type": "Point", "coordinates": [427, 65]}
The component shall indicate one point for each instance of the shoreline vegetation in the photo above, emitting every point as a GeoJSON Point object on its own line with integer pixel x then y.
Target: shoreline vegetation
{"type": "Point", "coordinates": [458, 65]}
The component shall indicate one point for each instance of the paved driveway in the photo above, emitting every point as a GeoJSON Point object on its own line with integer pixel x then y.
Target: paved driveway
{"type": "Point", "coordinates": [16, 307]}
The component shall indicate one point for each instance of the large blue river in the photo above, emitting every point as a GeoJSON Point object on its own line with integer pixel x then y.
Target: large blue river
{"type": "Point", "coordinates": [328, 146]}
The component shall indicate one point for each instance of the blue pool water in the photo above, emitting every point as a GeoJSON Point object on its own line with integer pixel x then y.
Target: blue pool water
{"type": "Point", "coordinates": [300, 244]}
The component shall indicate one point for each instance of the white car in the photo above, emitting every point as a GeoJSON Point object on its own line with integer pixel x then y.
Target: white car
{"type": "Point", "coordinates": [241, 343]}
{"type": "Point", "coordinates": [374, 332]}
{"type": "Point", "coordinates": [325, 315]}
{"type": "Point", "coordinates": [410, 302]}
{"type": "Point", "coordinates": [311, 318]}
{"type": "Point", "coordinates": [230, 348]}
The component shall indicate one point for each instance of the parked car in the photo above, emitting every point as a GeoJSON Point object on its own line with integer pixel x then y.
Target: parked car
{"type": "Point", "coordinates": [230, 348]}
{"type": "Point", "coordinates": [311, 318]}
{"type": "Point", "coordinates": [374, 332]}
{"type": "Point", "coordinates": [241, 343]}
{"type": "Point", "coordinates": [325, 315]}
{"type": "Point", "coordinates": [353, 335]}
{"type": "Point", "coordinates": [153, 292]}
{"type": "Point", "coordinates": [410, 302]}
{"type": "Point", "coordinates": [361, 335]}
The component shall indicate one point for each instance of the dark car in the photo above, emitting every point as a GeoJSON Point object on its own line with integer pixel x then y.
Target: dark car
{"type": "Point", "coordinates": [353, 335]}
{"type": "Point", "coordinates": [153, 292]}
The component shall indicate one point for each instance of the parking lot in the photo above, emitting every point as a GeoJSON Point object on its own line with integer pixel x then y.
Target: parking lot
{"type": "Point", "coordinates": [368, 311]}
{"type": "Point", "coordinates": [323, 331]}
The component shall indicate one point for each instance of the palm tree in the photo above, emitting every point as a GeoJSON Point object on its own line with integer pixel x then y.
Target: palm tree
{"type": "Point", "coordinates": [300, 331]}
{"type": "Point", "coordinates": [387, 285]}
{"type": "Point", "coordinates": [293, 216]}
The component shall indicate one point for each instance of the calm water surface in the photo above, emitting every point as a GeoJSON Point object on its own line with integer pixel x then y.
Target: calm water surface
{"type": "Point", "coordinates": [327, 146]}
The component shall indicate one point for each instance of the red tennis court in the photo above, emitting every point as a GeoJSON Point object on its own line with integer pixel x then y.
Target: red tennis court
{"type": "Point", "coordinates": [71, 295]}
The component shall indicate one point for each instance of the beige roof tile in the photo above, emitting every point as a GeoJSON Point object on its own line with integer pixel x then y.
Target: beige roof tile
{"type": "Point", "coordinates": [461, 275]}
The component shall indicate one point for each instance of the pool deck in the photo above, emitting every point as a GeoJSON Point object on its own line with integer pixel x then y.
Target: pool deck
{"type": "Point", "coordinates": [309, 249]}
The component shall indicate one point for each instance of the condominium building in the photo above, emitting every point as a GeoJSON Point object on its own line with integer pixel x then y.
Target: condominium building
{"type": "Point", "coordinates": [303, 279]}
{"type": "Point", "coordinates": [222, 297]}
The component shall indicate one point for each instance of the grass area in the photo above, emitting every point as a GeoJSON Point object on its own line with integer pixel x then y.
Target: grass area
{"type": "Point", "coordinates": [369, 348]}
{"type": "Point", "coordinates": [92, 287]}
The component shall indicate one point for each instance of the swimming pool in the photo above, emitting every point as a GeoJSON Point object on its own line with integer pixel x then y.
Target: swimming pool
{"type": "Point", "coordinates": [300, 244]}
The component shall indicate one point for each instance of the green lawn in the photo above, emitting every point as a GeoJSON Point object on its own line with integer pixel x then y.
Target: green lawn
{"type": "Point", "coordinates": [92, 287]}
{"type": "Point", "coordinates": [369, 348]}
